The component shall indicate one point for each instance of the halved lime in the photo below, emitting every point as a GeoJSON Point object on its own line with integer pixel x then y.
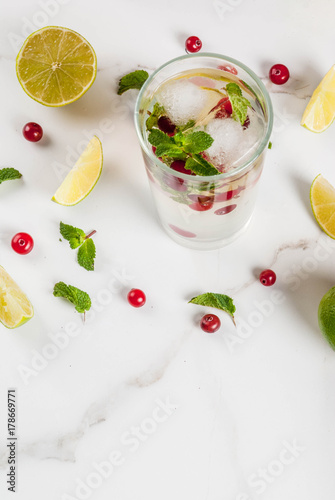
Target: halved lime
{"type": "Point", "coordinates": [80, 181]}
{"type": "Point", "coordinates": [15, 307]}
{"type": "Point", "coordinates": [56, 66]}
{"type": "Point", "coordinates": [320, 111]}
{"type": "Point", "coordinates": [322, 196]}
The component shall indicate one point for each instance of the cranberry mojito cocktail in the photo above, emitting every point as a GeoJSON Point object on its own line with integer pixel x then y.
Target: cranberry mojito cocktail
{"type": "Point", "coordinates": [204, 122]}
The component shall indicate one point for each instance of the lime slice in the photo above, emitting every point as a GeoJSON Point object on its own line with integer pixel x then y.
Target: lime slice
{"type": "Point", "coordinates": [15, 307]}
{"type": "Point", "coordinates": [326, 316]}
{"type": "Point", "coordinates": [322, 196]}
{"type": "Point", "coordinates": [320, 111]}
{"type": "Point", "coordinates": [80, 181]}
{"type": "Point", "coordinates": [56, 66]}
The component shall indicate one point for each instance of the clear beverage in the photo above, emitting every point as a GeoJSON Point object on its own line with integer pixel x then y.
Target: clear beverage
{"type": "Point", "coordinates": [206, 212]}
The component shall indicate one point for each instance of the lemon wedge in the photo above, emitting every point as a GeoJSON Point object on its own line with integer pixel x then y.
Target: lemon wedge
{"type": "Point", "coordinates": [320, 111]}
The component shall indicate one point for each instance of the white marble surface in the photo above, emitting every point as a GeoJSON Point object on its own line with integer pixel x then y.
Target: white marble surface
{"type": "Point", "coordinates": [172, 412]}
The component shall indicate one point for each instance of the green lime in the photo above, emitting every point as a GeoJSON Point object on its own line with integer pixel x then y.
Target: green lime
{"type": "Point", "coordinates": [56, 66]}
{"type": "Point", "coordinates": [326, 316]}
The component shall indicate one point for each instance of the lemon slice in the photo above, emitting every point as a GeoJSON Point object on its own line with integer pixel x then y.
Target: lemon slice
{"type": "Point", "coordinates": [320, 111]}
{"type": "Point", "coordinates": [15, 307]}
{"type": "Point", "coordinates": [56, 66]}
{"type": "Point", "coordinates": [80, 181]}
{"type": "Point", "coordinates": [322, 196]}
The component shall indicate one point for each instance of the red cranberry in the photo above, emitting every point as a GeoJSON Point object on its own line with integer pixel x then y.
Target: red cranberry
{"type": "Point", "coordinates": [165, 125]}
{"type": "Point", "coordinates": [33, 132]}
{"type": "Point", "coordinates": [182, 232]}
{"type": "Point", "coordinates": [279, 74]}
{"type": "Point", "coordinates": [267, 277]}
{"type": "Point", "coordinates": [193, 44]}
{"type": "Point", "coordinates": [210, 323]}
{"type": "Point", "coordinates": [22, 243]}
{"type": "Point", "coordinates": [136, 297]}
{"type": "Point", "coordinates": [229, 68]}
{"type": "Point", "coordinates": [225, 210]}
{"type": "Point", "coordinates": [201, 203]}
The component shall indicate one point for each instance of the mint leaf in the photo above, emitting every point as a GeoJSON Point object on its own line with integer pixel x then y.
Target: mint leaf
{"type": "Point", "coordinates": [217, 300]}
{"type": "Point", "coordinates": [196, 142]}
{"type": "Point", "coordinates": [81, 300]}
{"type": "Point", "coordinates": [74, 235]}
{"type": "Point", "coordinates": [239, 103]}
{"type": "Point", "coordinates": [189, 124]}
{"type": "Point", "coordinates": [156, 113]}
{"type": "Point", "coordinates": [270, 145]}
{"type": "Point", "coordinates": [185, 147]}
{"type": "Point", "coordinates": [9, 174]}
{"type": "Point", "coordinates": [86, 255]}
{"type": "Point", "coordinates": [157, 137]}
{"type": "Point", "coordinates": [170, 150]}
{"type": "Point", "coordinates": [198, 165]}
{"type": "Point", "coordinates": [133, 80]}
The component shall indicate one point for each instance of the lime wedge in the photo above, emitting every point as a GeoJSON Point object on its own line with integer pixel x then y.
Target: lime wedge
{"type": "Point", "coordinates": [80, 181]}
{"type": "Point", "coordinates": [56, 66]}
{"type": "Point", "coordinates": [320, 111]}
{"type": "Point", "coordinates": [326, 316]}
{"type": "Point", "coordinates": [15, 307]}
{"type": "Point", "coordinates": [322, 196]}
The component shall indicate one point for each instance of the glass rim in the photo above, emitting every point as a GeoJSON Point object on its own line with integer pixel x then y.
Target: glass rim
{"type": "Point", "coordinates": [224, 175]}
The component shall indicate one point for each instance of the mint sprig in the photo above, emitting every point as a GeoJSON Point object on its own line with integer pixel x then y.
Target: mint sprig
{"type": "Point", "coordinates": [239, 103]}
{"type": "Point", "coordinates": [80, 299]}
{"type": "Point", "coordinates": [217, 300]}
{"type": "Point", "coordinates": [9, 174]}
{"type": "Point", "coordinates": [77, 238]}
{"type": "Point", "coordinates": [133, 80]}
{"type": "Point", "coordinates": [186, 147]}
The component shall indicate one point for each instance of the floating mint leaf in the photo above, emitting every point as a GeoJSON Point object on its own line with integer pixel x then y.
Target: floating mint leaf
{"type": "Point", "coordinates": [171, 151]}
{"type": "Point", "coordinates": [196, 142]}
{"type": "Point", "coordinates": [185, 147]}
{"type": "Point", "coordinates": [157, 137]}
{"type": "Point", "coordinates": [198, 165]}
{"type": "Point", "coordinates": [239, 103]}
{"type": "Point", "coordinates": [133, 80]}
{"type": "Point", "coordinates": [217, 300]}
{"type": "Point", "coordinates": [9, 174]}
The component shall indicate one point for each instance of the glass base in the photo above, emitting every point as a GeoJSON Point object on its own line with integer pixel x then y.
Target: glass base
{"type": "Point", "coordinates": [196, 244]}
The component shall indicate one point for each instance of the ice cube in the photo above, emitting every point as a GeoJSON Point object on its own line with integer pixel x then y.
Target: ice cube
{"type": "Point", "coordinates": [232, 144]}
{"type": "Point", "coordinates": [182, 100]}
